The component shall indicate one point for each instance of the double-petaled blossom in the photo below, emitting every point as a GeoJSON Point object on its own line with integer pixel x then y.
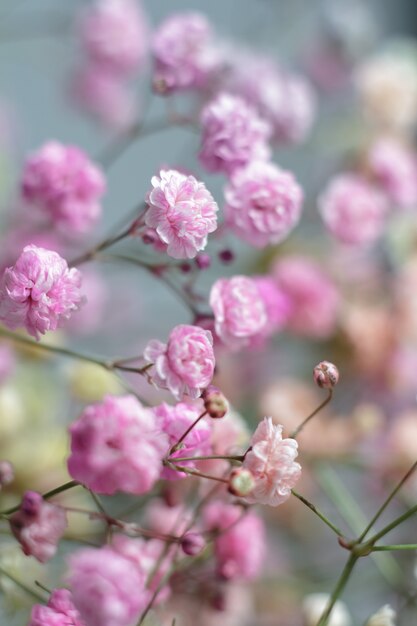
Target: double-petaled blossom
{"type": "Point", "coordinates": [233, 134]}
{"type": "Point", "coordinates": [60, 611]}
{"type": "Point", "coordinates": [117, 446]}
{"type": "Point", "coordinates": [394, 167]}
{"type": "Point", "coordinates": [239, 310]}
{"type": "Point", "coordinates": [185, 364]}
{"type": "Point", "coordinates": [39, 292]}
{"type": "Point", "coordinates": [38, 526]}
{"type": "Point", "coordinates": [63, 184]}
{"type": "Point", "coordinates": [182, 213]}
{"type": "Point", "coordinates": [271, 460]}
{"type": "Point", "coordinates": [263, 203]}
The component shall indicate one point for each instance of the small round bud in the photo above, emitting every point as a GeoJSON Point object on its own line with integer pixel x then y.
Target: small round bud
{"type": "Point", "coordinates": [226, 256]}
{"type": "Point", "coordinates": [149, 237]}
{"type": "Point", "coordinates": [203, 261]}
{"type": "Point", "coordinates": [192, 544]}
{"type": "Point", "coordinates": [326, 375]}
{"type": "Point", "coordinates": [215, 402]}
{"type": "Point", "coordinates": [185, 268]}
{"type": "Point", "coordinates": [241, 482]}
{"type": "Point", "coordinates": [6, 473]}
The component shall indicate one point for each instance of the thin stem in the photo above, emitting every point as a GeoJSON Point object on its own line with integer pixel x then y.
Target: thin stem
{"type": "Point", "coordinates": [25, 588]}
{"type": "Point", "coordinates": [402, 546]}
{"type": "Point", "coordinates": [177, 445]}
{"type": "Point", "coordinates": [317, 512]}
{"type": "Point", "coordinates": [191, 472]}
{"type": "Point", "coordinates": [309, 417]}
{"type": "Point", "coordinates": [399, 520]}
{"type": "Point", "coordinates": [46, 496]}
{"type": "Point", "coordinates": [338, 590]}
{"type": "Point", "coordinates": [239, 458]}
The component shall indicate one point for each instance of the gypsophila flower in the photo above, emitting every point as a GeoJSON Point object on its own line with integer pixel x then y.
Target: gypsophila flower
{"type": "Point", "coordinates": [182, 213]}
{"type": "Point", "coordinates": [117, 446]}
{"type": "Point", "coordinates": [394, 167]}
{"type": "Point", "coordinates": [184, 365]}
{"type": "Point", "coordinates": [233, 134]}
{"type": "Point", "coordinates": [39, 292]}
{"type": "Point", "coordinates": [65, 186]}
{"type": "Point", "coordinates": [271, 459]}
{"type": "Point", "coordinates": [60, 611]}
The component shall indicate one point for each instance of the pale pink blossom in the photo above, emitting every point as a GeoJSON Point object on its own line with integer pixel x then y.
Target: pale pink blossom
{"type": "Point", "coordinates": [39, 292]}
{"type": "Point", "coordinates": [164, 519]}
{"type": "Point", "coordinates": [240, 548]}
{"type": "Point", "coordinates": [92, 315]}
{"type": "Point", "coordinates": [184, 365]}
{"type": "Point", "coordinates": [239, 310]}
{"type": "Point", "coordinates": [271, 459]}
{"type": "Point", "coordinates": [394, 167]}
{"type": "Point", "coordinates": [65, 186]}
{"type": "Point", "coordinates": [182, 212]}
{"type": "Point", "coordinates": [117, 446]}
{"type": "Point", "coordinates": [38, 526]}
{"type": "Point", "coordinates": [233, 134]}
{"type": "Point", "coordinates": [60, 611]}
{"type": "Point", "coordinates": [115, 35]}
{"type": "Point", "coordinates": [353, 210]}
{"type": "Point", "coordinates": [277, 305]}
{"type": "Point", "coordinates": [6, 473]}
{"type": "Point", "coordinates": [263, 203]}
{"type": "Point", "coordinates": [313, 297]}
{"type": "Point", "coordinates": [107, 588]}
{"type": "Point", "coordinates": [185, 54]}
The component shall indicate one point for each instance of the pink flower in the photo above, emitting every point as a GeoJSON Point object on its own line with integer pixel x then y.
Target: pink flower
{"type": "Point", "coordinates": [353, 210]}
{"type": "Point", "coordinates": [174, 421]}
{"type": "Point", "coordinates": [185, 365]}
{"type": "Point", "coordinates": [263, 203]}
{"type": "Point", "coordinates": [184, 53]}
{"type": "Point", "coordinates": [313, 297]}
{"type": "Point", "coordinates": [39, 292]}
{"type": "Point", "coordinates": [107, 588]}
{"type": "Point", "coordinates": [38, 526]}
{"type": "Point", "coordinates": [233, 135]}
{"type": "Point", "coordinates": [65, 185]}
{"type": "Point", "coordinates": [182, 212]}
{"type": "Point", "coordinates": [115, 35]}
{"type": "Point", "coordinates": [92, 315]}
{"type": "Point", "coordinates": [116, 446]}
{"type": "Point", "coordinates": [277, 305]}
{"type": "Point", "coordinates": [239, 310]}
{"type": "Point", "coordinates": [271, 460]}
{"type": "Point", "coordinates": [394, 166]}
{"type": "Point", "coordinates": [240, 548]}
{"type": "Point", "coordinates": [60, 611]}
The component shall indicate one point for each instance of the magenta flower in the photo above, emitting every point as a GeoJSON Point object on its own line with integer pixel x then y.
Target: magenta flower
{"type": "Point", "coordinates": [185, 55]}
{"type": "Point", "coordinates": [353, 210]}
{"type": "Point", "coordinates": [394, 167]}
{"type": "Point", "coordinates": [185, 365]}
{"type": "Point", "coordinates": [263, 203]}
{"type": "Point", "coordinates": [239, 310]}
{"type": "Point", "coordinates": [116, 446]}
{"type": "Point", "coordinates": [60, 611]}
{"type": "Point", "coordinates": [182, 213]}
{"type": "Point", "coordinates": [271, 460]}
{"type": "Point", "coordinates": [38, 526]}
{"type": "Point", "coordinates": [39, 292]}
{"type": "Point", "coordinates": [107, 588]}
{"type": "Point", "coordinates": [65, 185]}
{"type": "Point", "coordinates": [233, 135]}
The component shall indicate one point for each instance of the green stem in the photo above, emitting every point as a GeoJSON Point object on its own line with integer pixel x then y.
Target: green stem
{"type": "Point", "coordinates": [399, 520]}
{"type": "Point", "coordinates": [46, 496]}
{"type": "Point", "coordinates": [338, 590]}
{"type": "Point", "coordinates": [28, 590]}
{"type": "Point", "coordinates": [177, 445]}
{"type": "Point", "coordinates": [191, 472]}
{"type": "Point", "coordinates": [210, 457]}
{"type": "Point", "coordinates": [405, 546]}
{"type": "Point", "coordinates": [317, 512]}
{"type": "Point", "coordinates": [309, 417]}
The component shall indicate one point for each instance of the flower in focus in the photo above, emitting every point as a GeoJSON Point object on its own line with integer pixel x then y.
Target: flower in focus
{"type": "Point", "coordinates": [39, 292]}
{"type": "Point", "coordinates": [233, 134]}
{"type": "Point", "coordinates": [59, 611]}
{"type": "Point", "coordinates": [184, 365]}
{"type": "Point", "coordinates": [65, 185]}
{"type": "Point", "coordinates": [117, 446]}
{"type": "Point", "coordinates": [182, 212]}
{"type": "Point", "coordinates": [263, 203]}
{"type": "Point", "coordinates": [394, 167]}
{"type": "Point", "coordinates": [271, 459]}
{"type": "Point", "coordinates": [38, 526]}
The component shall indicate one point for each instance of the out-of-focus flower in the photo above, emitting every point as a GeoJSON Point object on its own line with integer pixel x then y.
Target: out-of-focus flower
{"type": "Point", "coordinates": [6, 473]}
{"type": "Point", "coordinates": [117, 446]}
{"type": "Point", "coordinates": [277, 305]}
{"type": "Point", "coordinates": [7, 362]}
{"type": "Point", "coordinates": [38, 526]}
{"type": "Point", "coordinates": [92, 314]}
{"type": "Point", "coordinates": [182, 212]}
{"type": "Point", "coordinates": [271, 460]}
{"type": "Point", "coordinates": [185, 365]}
{"type": "Point", "coordinates": [233, 134]}
{"type": "Point", "coordinates": [65, 186]}
{"type": "Point", "coordinates": [59, 611]}
{"type": "Point", "coordinates": [192, 544]}
{"type": "Point", "coordinates": [90, 382]}
{"type": "Point", "coordinates": [39, 292]}
{"type": "Point", "coordinates": [263, 203]}
{"type": "Point", "coordinates": [314, 606]}
{"type": "Point", "coordinates": [353, 210]}
{"type": "Point", "coordinates": [394, 167]}
{"type": "Point", "coordinates": [384, 617]}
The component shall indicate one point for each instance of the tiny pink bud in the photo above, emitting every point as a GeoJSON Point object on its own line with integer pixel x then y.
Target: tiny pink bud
{"type": "Point", "coordinates": [6, 473]}
{"type": "Point", "coordinates": [241, 482]}
{"type": "Point", "coordinates": [203, 261]}
{"type": "Point", "coordinates": [326, 375]}
{"type": "Point", "coordinates": [215, 402]}
{"type": "Point", "coordinates": [149, 237]}
{"type": "Point", "coordinates": [192, 544]}
{"type": "Point", "coordinates": [185, 268]}
{"type": "Point", "coordinates": [226, 256]}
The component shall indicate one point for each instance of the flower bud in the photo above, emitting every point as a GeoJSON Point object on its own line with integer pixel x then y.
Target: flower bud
{"type": "Point", "coordinates": [226, 256]}
{"type": "Point", "coordinates": [215, 402]}
{"type": "Point", "coordinates": [326, 375]}
{"type": "Point", "coordinates": [241, 482]}
{"type": "Point", "coordinates": [192, 544]}
{"type": "Point", "coordinates": [203, 261]}
{"type": "Point", "coordinates": [6, 473]}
